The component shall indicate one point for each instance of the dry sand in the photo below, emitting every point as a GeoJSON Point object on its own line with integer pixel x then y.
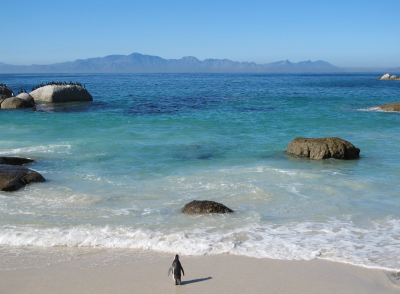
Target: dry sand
{"type": "Point", "coordinates": [123, 271]}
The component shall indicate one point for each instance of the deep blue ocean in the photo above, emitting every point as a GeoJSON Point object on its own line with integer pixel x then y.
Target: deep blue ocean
{"type": "Point", "coordinates": [119, 169]}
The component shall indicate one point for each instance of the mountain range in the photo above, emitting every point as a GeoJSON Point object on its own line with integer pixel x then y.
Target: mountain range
{"type": "Point", "coordinates": [139, 63]}
{"type": "Point", "coordinates": [394, 70]}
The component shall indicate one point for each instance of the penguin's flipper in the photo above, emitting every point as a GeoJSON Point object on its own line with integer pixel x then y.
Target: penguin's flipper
{"type": "Point", "coordinates": [170, 270]}
{"type": "Point", "coordinates": [183, 272]}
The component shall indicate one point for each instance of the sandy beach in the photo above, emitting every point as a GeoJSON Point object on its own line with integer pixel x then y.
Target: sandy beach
{"type": "Point", "coordinates": [123, 271]}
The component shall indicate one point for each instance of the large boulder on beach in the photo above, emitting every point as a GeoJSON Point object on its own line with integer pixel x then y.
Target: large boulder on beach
{"type": "Point", "coordinates": [61, 93]}
{"type": "Point", "coordinates": [323, 148]}
{"type": "Point", "coordinates": [205, 207]}
{"type": "Point", "coordinates": [5, 92]}
{"type": "Point", "coordinates": [13, 177]}
{"type": "Point", "coordinates": [15, 102]}
{"type": "Point", "coordinates": [390, 106]}
{"type": "Point", "coordinates": [14, 160]}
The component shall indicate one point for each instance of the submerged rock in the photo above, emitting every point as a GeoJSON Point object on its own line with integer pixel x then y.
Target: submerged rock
{"type": "Point", "coordinates": [205, 207]}
{"type": "Point", "coordinates": [390, 106]}
{"type": "Point", "coordinates": [14, 160]}
{"type": "Point", "coordinates": [322, 148]}
{"type": "Point", "coordinates": [13, 177]}
{"type": "Point", "coordinates": [61, 93]}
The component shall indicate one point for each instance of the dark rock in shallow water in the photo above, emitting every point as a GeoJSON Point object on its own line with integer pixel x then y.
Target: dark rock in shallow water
{"type": "Point", "coordinates": [13, 178]}
{"type": "Point", "coordinates": [205, 207]}
{"type": "Point", "coordinates": [323, 148]}
{"type": "Point", "coordinates": [14, 160]}
{"type": "Point", "coordinates": [390, 106]}
{"type": "Point", "coordinates": [195, 156]}
{"type": "Point", "coordinates": [257, 109]}
{"type": "Point", "coordinates": [61, 93]}
{"type": "Point", "coordinates": [205, 156]}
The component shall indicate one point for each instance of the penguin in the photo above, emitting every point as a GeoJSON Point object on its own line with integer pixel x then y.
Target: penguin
{"type": "Point", "coordinates": [176, 269]}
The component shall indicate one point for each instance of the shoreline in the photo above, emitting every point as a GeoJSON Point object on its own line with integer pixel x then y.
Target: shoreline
{"type": "Point", "coordinates": [100, 271]}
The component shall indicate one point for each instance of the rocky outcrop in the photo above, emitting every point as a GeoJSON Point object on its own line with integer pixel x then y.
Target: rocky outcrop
{"type": "Point", "coordinates": [390, 106]}
{"type": "Point", "coordinates": [385, 77]}
{"type": "Point", "coordinates": [15, 160]}
{"type": "Point", "coordinates": [323, 148]}
{"type": "Point", "coordinates": [5, 92]}
{"type": "Point", "coordinates": [389, 77]}
{"type": "Point", "coordinates": [61, 93]}
{"type": "Point", "coordinates": [13, 177]}
{"type": "Point", "coordinates": [205, 207]}
{"type": "Point", "coordinates": [26, 97]}
{"type": "Point", "coordinates": [14, 103]}
{"type": "Point", "coordinates": [8, 101]}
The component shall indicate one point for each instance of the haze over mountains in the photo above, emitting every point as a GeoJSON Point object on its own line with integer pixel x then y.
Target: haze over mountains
{"type": "Point", "coordinates": [394, 70]}
{"type": "Point", "coordinates": [139, 63]}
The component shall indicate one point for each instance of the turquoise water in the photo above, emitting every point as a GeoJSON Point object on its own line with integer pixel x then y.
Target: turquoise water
{"type": "Point", "coordinates": [120, 168]}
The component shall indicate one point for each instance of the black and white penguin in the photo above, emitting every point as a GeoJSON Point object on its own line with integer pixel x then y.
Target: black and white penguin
{"type": "Point", "coordinates": [176, 269]}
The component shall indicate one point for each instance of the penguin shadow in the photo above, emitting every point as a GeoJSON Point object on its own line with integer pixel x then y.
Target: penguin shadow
{"type": "Point", "coordinates": [195, 281]}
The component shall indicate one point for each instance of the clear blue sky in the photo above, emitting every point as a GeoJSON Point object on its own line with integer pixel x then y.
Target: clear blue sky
{"type": "Point", "coordinates": [348, 33]}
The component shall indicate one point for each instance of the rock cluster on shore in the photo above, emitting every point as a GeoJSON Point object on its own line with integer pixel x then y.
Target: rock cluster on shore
{"type": "Point", "coordinates": [13, 177]}
{"type": "Point", "coordinates": [323, 148]}
{"type": "Point", "coordinates": [387, 77]}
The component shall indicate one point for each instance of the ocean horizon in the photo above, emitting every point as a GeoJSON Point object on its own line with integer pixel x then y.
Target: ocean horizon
{"type": "Point", "coordinates": [119, 169]}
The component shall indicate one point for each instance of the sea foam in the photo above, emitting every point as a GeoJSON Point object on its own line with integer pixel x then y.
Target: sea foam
{"type": "Point", "coordinates": [52, 148]}
{"type": "Point", "coordinates": [335, 240]}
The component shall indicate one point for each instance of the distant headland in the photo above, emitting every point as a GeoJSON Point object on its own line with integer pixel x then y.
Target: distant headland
{"type": "Point", "coordinates": [139, 63]}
